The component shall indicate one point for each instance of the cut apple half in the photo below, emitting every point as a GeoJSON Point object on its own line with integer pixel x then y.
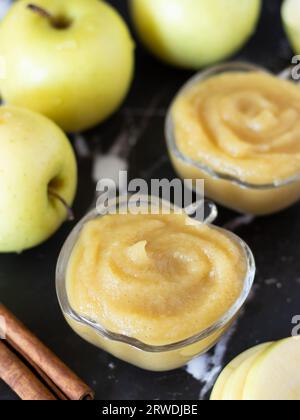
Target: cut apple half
{"type": "Point", "coordinates": [291, 17]}
{"type": "Point", "coordinates": [275, 375]}
{"type": "Point", "coordinates": [233, 390]}
{"type": "Point", "coordinates": [221, 384]}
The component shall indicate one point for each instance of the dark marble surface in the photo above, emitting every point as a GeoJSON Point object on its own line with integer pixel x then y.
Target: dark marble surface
{"type": "Point", "coordinates": [27, 280]}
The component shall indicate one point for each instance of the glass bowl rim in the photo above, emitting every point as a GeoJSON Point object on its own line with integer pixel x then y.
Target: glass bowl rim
{"type": "Point", "coordinates": [212, 173]}
{"type": "Point", "coordinates": [69, 312]}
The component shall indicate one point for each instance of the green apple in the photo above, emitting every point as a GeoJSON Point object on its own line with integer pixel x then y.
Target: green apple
{"type": "Point", "coordinates": [275, 376]}
{"type": "Point", "coordinates": [194, 33]}
{"type": "Point", "coordinates": [38, 173]}
{"type": "Point", "coordinates": [291, 16]}
{"type": "Point", "coordinates": [71, 60]}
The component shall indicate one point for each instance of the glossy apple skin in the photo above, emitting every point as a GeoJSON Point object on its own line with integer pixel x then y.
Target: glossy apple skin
{"type": "Point", "coordinates": [35, 155]}
{"type": "Point", "coordinates": [77, 76]}
{"type": "Point", "coordinates": [290, 16]}
{"type": "Point", "coordinates": [194, 33]}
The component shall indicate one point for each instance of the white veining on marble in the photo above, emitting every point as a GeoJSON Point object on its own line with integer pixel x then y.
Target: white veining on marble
{"type": "Point", "coordinates": [255, 289]}
{"type": "Point", "coordinates": [142, 112]}
{"type": "Point", "coordinates": [81, 146]}
{"type": "Point", "coordinates": [206, 368]}
{"type": "Point", "coordinates": [135, 129]}
{"type": "Point", "coordinates": [109, 165]}
{"type": "Point", "coordinates": [112, 366]}
{"type": "Point", "coordinates": [4, 6]}
{"type": "Point", "coordinates": [287, 259]}
{"type": "Point", "coordinates": [273, 282]}
{"type": "Point", "coordinates": [238, 222]}
{"type": "Point", "coordinates": [270, 282]}
{"type": "Point", "coordinates": [149, 171]}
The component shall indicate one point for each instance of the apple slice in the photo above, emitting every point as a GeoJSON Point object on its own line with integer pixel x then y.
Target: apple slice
{"type": "Point", "coordinates": [233, 390]}
{"type": "Point", "coordinates": [290, 16]}
{"type": "Point", "coordinates": [275, 375]}
{"type": "Point", "coordinates": [221, 384]}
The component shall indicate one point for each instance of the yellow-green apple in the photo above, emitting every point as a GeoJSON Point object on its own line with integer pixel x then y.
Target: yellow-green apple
{"type": "Point", "coordinates": [291, 16]}
{"type": "Point", "coordinates": [194, 33]}
{"type": "Point", "coordinates": [71, 60]}
{"type": "Point", "coordinates": [38, 178]}
{"type": "Point", "coordinates": [274, 376]}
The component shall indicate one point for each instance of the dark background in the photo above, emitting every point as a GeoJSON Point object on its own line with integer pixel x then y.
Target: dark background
{"type": "Point", "coordinates": [27, 280]}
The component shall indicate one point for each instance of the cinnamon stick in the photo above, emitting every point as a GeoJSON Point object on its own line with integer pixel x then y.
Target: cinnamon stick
{"type": "Point", "coordinates": [64, 383]}
{"type": "Point", "coordinates": [18, 377]}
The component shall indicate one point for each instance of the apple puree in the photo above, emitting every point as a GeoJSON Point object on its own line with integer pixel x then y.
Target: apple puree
{"type": "Point", "coordinates": [246, 126]}
{"type": "Point", "coordinates": [156, 278]}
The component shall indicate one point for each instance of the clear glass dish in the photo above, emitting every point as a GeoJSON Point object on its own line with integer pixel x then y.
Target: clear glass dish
{"type": "Point", "coordinates": [154, 358]}
{"type": "Point", "coordinates": [232, 192]}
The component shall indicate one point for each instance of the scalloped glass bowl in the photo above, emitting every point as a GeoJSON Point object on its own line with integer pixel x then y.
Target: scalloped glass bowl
{"type": "Point", "coordinates": [226, 190]}
{"type": "Point", "coordinates": [154, 358]}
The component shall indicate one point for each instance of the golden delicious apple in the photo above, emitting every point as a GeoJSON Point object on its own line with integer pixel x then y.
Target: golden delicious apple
{"type": "Point", "coordinates": [194, 33]}
{"type": "Point", "coordinates": [37, 173]}
{"type": "Point", "coordinates": [71, 60]}
{"type": "Point", "coordinates": [290, 16]}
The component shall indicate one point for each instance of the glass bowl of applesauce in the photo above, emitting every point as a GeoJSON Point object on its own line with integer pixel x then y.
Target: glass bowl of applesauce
{"type": "Point", "coordinates": [237, 126]}
{"type": "Point", "coordinates": [154, 290]}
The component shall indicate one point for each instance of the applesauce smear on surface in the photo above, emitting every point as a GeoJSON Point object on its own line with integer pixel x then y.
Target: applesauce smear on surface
{"type": "Point", "coordinates": [246, 125]}
{"type": "Point", "coordinates": [157, 278]}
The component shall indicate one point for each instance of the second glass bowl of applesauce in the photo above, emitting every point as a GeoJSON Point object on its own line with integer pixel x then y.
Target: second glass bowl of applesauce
{"type": "Point", "coordinates": [154, 290]}
{"type": "Point", "coordinates": [238, 127]}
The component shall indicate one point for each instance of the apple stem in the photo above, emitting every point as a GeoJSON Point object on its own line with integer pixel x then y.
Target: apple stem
{"type": "Point", "coordinates": [70, 214]}
{"type": "Point", "coordinates": [42, 12]}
